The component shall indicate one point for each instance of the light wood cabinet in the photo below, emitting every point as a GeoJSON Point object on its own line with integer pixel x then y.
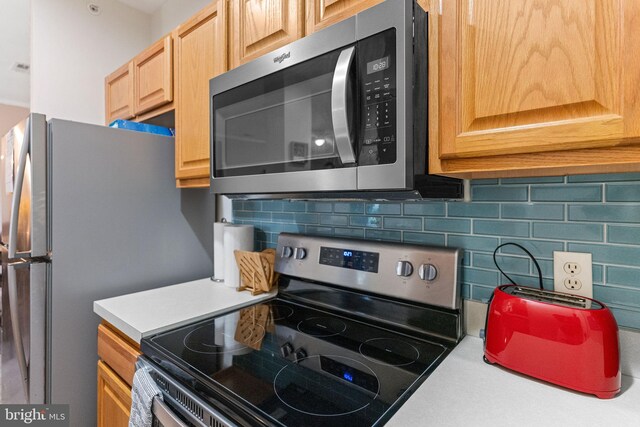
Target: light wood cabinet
{"type": "Point", "coordinates": [119, 95]}
{"type": "Point", "coordinates": [534, 87]}
{"type": "Point", "coordinates": [261, 26]}
{"type": "Point", "coordinates": [201, 54]}
{"type": "Point", "coordinates": [322, 13]}
{"type": "Point", "coordinates": [114, 398]}
{"type": "Point", "coordinates": [153, 76]}
{"type": "Point", "coordinates": [143, 87]}
{"type": "Point", "coordinates": [116, 367]}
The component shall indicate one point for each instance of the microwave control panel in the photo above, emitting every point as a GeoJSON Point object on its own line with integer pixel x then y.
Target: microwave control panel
{"type": "Point", "coordinates": [377, 92]}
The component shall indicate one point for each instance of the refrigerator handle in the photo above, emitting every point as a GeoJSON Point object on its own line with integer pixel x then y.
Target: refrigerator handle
{"type": "Point", "coordinates": [13, 241]}
{"type": "Point", "coordinates": [15, 328]}
{"type": "Point", "coordinates": [17, 191]}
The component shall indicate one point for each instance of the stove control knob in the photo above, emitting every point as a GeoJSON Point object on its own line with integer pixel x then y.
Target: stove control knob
{"type": "Point", "coordinates": [287, 251]}
{"type": "Point", "coordinates": [300, 354]}
{"type": "Point", "coordinates": [299, 253]}
{"type": "Point", "coordinates": [428, 272]}
{"type": "Point", "coordinates": [404, 269]}
{"type": "Point", "coordinates": [286, 349]}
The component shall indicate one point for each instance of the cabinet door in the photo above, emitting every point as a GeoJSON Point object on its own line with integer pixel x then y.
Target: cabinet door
{"type": "Point", "coordinates": [114, 398]}
{"type": "Point", "coordinates": [118, 89]}
{"type": "Point", "coordinates": [200, 55]}
{"type": "Point", "coordinates": [260, 26]}
{"type": "Point", "coordinates": [322, 13]}
{"type": "Point", "coordinates": [532, 76]}
{"type": "Point", "coordinates": [153, 76]}
{"type": "Point", "coordinates": [118, 351]}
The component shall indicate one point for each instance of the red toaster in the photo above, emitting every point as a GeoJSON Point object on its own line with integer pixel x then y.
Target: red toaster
{"type": "Point", "coordinates": [564, 339]}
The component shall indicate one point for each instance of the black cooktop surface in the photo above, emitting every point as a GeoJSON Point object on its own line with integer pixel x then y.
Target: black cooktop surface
{"type": "Point", "coordinates": [297, 365]}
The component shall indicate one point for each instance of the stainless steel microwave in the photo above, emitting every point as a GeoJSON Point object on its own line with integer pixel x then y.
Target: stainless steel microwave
{"type": "Point", "coordinates": [341, 110]}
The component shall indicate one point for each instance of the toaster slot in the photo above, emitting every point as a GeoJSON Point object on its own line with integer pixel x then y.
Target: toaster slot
{"type": "Point", "coordinates": [553, 297]}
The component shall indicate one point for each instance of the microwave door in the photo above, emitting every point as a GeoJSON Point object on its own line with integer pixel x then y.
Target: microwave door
{"type": "Point", "coordinates": [287, 131]}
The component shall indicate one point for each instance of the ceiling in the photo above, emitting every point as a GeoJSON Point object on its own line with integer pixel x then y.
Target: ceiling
{"type": "Point", "coordinates": [147, 6]}
{"type": "Point", "coordinates": [14, 47]}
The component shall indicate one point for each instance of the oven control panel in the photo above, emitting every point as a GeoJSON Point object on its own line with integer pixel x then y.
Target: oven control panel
{"type": "Point", "coordinates": [349, 258]}
{"type": "Point", "coordinates": [425, 274]}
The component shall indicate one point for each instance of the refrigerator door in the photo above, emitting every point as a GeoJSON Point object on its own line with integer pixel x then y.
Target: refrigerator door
{"type": "Point", "coordinates": [118, 225]}
{"type": "Point", "coordinates": [22, 355]}
{"type": "Point", "coordinates": [23, 176]}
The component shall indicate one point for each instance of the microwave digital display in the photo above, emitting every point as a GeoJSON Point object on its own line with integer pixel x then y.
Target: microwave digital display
{"type": "Point", "coordinates": [378, 65]}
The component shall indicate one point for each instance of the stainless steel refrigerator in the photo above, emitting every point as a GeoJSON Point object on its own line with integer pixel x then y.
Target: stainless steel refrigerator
{"type": "Point", "coordinates": [88, 212]}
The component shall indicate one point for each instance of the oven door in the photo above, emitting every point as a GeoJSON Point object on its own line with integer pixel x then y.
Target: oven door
{"type": "Point", "coordinates": [288, 130]}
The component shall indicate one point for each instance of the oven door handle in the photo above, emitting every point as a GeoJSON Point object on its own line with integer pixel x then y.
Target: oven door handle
{"type": "Point", "coordinates": [339, 107]}
{"type": "Point", "coordinates": [162, 413]}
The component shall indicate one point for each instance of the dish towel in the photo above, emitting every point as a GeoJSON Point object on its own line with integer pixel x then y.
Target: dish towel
{"type": "Point", "coordinates": [142, 393]}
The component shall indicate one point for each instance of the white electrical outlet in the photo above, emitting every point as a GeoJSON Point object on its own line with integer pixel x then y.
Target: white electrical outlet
{"type": "Point", "coordinates": [572, 273]}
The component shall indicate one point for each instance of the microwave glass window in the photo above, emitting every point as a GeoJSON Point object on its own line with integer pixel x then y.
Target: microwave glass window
{"type": "Point", "coordinates": [258, 137]}
{"type": "Point", "coordinates": [280, 123]}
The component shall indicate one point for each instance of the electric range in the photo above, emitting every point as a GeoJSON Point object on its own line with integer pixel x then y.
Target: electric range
{"type": "Point", "coordinates": [355, 328]}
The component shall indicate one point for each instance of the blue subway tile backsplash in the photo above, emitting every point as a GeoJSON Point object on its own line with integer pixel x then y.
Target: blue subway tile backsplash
{"type": "Point", "coordinates": [568, 231]}
{"type": "Point", "coordinates": [623, 192]}
{"type": "Point", "coordinates": [587, 213]}
{"type": "Point", "coordinates": [623, 234]}
{"type": "Point", "coordinates": [564, 193]}
{"type": "Point", "coordinates": [497, 192]}
{"type": "Point", "coordinates": [533, 211]}
{"type": "Point", "coordinates": [402, 223]}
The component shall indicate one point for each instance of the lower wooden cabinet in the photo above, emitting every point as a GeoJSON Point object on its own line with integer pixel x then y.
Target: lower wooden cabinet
{"type": "Point", "coordinates": [116, 367]}
{"type": "Point", "coordinates": [114, 398]}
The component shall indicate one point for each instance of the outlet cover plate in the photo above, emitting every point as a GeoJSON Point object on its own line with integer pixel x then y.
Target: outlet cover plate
{"type": "Point", "coordinates": [577, 281]}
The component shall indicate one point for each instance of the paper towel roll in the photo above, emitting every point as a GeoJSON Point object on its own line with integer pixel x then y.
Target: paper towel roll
{"type": "Point", "coordinates": [240, 237]}
{"type": "Point", "coordinates": [218, 250]}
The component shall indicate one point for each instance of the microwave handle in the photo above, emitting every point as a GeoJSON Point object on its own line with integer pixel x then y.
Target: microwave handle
{"type": "Point", "coordinates": [339, 106]}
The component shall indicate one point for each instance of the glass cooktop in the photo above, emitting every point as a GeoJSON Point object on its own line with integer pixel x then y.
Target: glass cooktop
{"type": "Point", "coordinates": [296, 365]}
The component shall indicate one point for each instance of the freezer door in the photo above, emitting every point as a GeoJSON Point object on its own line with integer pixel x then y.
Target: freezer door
{"type": "Point", "coordinates": [23, 331]}
{"type": "Point", "coordinates": [23, 167]}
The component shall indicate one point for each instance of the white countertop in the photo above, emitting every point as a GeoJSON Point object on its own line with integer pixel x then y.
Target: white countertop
{"type": "Point", "coordinates": [465, 391]}
{"type": "Point", "coordinates": [149, 312]}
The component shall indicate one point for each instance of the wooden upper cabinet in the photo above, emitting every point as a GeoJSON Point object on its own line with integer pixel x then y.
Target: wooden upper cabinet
{"type": "Point", "coordinates": [119, 97]}
{"type": "Point", "coordinates": [200, 55]}
{"type": "Point", "coordinates": [322, 13]}
{"type": "Point", "coordinates": [153, 75]}
{"type": "Point", "coordinates": [519, 79]}
{"type": "Point", "coordinates": [260, 26]}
